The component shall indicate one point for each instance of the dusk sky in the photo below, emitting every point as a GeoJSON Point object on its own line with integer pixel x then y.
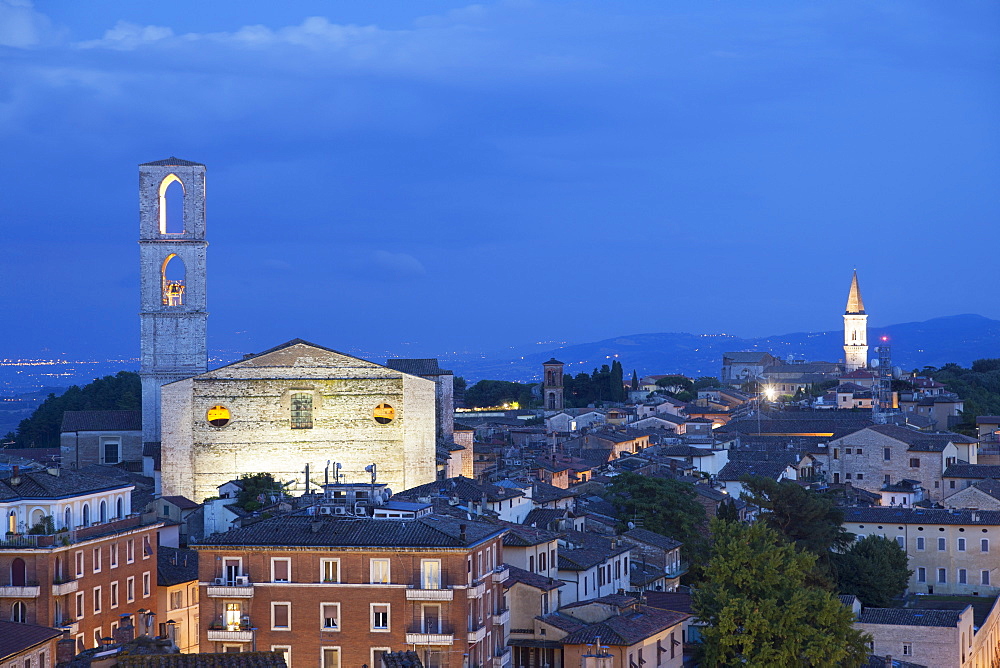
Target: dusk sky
{"type": "Point", "coordinates": [425, 177]}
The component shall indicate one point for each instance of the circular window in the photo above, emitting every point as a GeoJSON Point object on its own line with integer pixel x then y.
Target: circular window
{"type": "Point", "coordinates": [384, 414]}
{"type": "Point", "coordinates": [218, 416]}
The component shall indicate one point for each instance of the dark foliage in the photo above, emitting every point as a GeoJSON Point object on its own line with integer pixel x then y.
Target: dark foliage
{"type": "Point", "coordinates": [874, 569]}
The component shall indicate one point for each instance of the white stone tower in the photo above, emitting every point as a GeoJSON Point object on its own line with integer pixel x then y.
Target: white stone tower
{"type": "Point", "coordinates": [552, 385]}
{"type": "Point", "coordinates": [172, 254]}
{"type": "Point", "coordinates": [855, 330]}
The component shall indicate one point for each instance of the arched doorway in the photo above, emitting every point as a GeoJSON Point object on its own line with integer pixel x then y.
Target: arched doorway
{"type": "Point", "coordinates": [18, 572]}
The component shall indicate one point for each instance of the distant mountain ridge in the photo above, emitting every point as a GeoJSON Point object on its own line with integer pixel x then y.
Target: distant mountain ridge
{"type": "Point", "coordinates": [958, 338]}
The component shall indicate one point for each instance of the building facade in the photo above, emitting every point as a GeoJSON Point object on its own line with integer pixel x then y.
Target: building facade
{"type": "Point", "coordinates": [339, 592]}
{"type": "Point", "coordinates": [295, 405]}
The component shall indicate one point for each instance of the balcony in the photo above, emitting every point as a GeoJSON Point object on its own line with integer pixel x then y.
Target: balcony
{"type": "Point", "coordinates": [418, 594]}
{"type": "Point", "coordinates": [501, 573]}
{"type": "Point", "coordinates": [225, 635]}
{"type": "Point", "coordinates": [477, 635]}
{"type": "Point", "coordinates": [20, 591]}
{"type": "Point", "coordinates": [676, 570]}
{"type": "Point", "coordinates": [63, 588]}
{"type": "Point", "coordinates": [502, 652]}
{"type": "Point", "coordinates": [71, 627]}
{"type": "Point", "coordinates": [430, 639]}
{"type": "Point", "coordinates": [238, 587]}
{"type": "Point", "coordinates": [476, 591]}
{"type": "Point", "coordinates": [501, 618]}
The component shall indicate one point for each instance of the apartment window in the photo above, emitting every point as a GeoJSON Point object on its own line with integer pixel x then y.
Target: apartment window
{"type": "Point", "coordinates": [941, 545]}
{"type": "Point", "coordinates": [836, 453]}
{"type": "Point", "coordinates": [430, 573]}
{"type": "Point", "coordinates": [147, 549]}
{"type": "Point", "coordinates": [914, 462]}
{"type": "Point", "coordinates": [111, 448]}
{"type": "Point", "coordinates": [113, 554]}
{"type": "Point", "coordinates": [377, 653]}
{"type": "Point", "coordinates": [281, 569]}
{"type": "Point", "coordinates": [330, 615]}
{"type": "Point", "coordinates": [130, 590]}
{"type": "Point", "coordinates": [847, 451]}
{"type": "Point", "coordinates": [79, 563]}
{"type": "Point", "coordinates": [329, 570]}
{"type": "Point", "coordinates": [79, 605]}
{"type": "Point", "coordinates": [848, 476]}
{"type": "Point", "coordinates": [545, 604]}
{"type": "Point", "coordinates": [858, 451]}
{"type": "Point", "coordinates": [886, 454]}
{"type": "Point", "coordinates": [330, 657]}
{"type": "Point", "coordinates": [176, 600]}
{"type": "Point", "coordinates": [901, 542]}
{"type": "Point", "coordinates": [97, 636]}
{"type": "Point", "coordinates": [860, 476]}
{"type": "Point", "coordinates": [286, 651]}
{"type": "Point", "coordinates": [984, 545]}
{"type": "Point", "coordinates": [920, 542]}
{"type": "Point", "coordinates": [97, 600]}
{"type": "Point", "coordinates": [961, 545]}
{"type": "Point", "coordinates": [962, 576]}
{"type": "Point", "coordinates": [114, 594]}
{"type": "Point", "coordinates": [380, 616]}
{"type": "Point", "coordinates": [281, 616]}
{"type": "Point", "coordinates": [379, 571]}
{"type": "Point", "coordinates": [921, 574]}
{"type": "Point", "coordinates": [541, 562]}
{"type": "Point", "coordinates": [130, 551]}
{"type": "Point", "coordinates": [97, 560]}
{"type": "Point", "coordinates": [531, 563]}
{"type": "Point", "coordinates": [907, 649]}
{"type": "Point", "coordinates": [886, 479]}
{"type": "Point", "coordinates": [145, 584]}
{"type": "Point", "coordinates": [302, 411]}
{"type": "Point", "coordinates": [430, 618]}
{"type": "Point", "coordinates": [951, 484]}
{"type": "Point", "coordinates": [942, 576]}
{"type": "Point", "coordinates": [984, 577]}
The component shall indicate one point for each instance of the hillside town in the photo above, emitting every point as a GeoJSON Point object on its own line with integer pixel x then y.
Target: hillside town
{"type": "Point", "coordinates": [305, 507]}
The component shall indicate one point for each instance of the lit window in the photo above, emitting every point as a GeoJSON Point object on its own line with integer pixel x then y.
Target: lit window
{"type": "Point", "coordinates": [380, 571]}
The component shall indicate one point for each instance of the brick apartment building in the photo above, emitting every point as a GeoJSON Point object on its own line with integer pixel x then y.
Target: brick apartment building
{"type": "Point", "coordinates": [335, 592]}
{"type": "Point", "coordinates": [87, 559]}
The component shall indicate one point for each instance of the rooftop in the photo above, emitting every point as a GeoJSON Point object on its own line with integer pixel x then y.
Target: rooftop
{"type": "Point", "coordinates": [102, 421]}
{"type": "Point", "coordinates": [910, 617]}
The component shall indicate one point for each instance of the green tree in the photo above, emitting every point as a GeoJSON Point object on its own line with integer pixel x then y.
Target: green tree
{"type": "Point", "coordinates": [666, 506]}
{"type": "Point", "coordinates": [617, 382]}
{"type": "Point", "coordinates": [635, 381]}
{"type": "Point", "coordinates": [683, 383]}
{"type": "Point", "coordinates": [123, 391]}
{"type": "Point", "coordinates": [762, 613]}
{"type": "Point", "coordinates": [727, 511]}
{"type": "Point", "coordinates": [804, 517]}
{"type": "Point", "coordinates": [487, 393]}
{"type": "Point", "coordinates": [704, 382]}
{"type": "Point", "coordinates": [258, 491]}
{"type": "Point", "coordinates": [874, 569]}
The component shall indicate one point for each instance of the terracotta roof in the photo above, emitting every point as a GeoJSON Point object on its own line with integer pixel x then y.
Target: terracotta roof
{"type": "Point", "coordinates": [734, 471]}
{"type": "Point", "coordinates": [531, 579]}
{"type": "Point", "coordinates": [174, 566]}
{"type": "Point", "coordinates": [552, 360]}
{"type": "Point", "coordinates": [669, 601]}
{"type": "Point", "coordinates": [910, 617]}
{"type": "Point", "coordinates": [892, 515]}
{"type": "Point", "coordinates": [462, 487]}
{"type": "Point", "coordinates": [972, 471]}
{"type": "Point", "coordinates": [404, 659]}
{"type": "Point", "coordinates": [417, 367]}
{"type": "Point", "coordinates": [16, 637]}
{"type": "Point", "coordinates": [652, 538]}
{"type": "Point", "coordinates": [259, 659]}
{"type": "Point", "coordinates": [68, 483]}
{"type": "Point", "coordinates": [181, 502]}
{"type": "Point", "coordinates": [628, 628]}
{"type": "Point", "coordinates": [102, 421]}
{"type": "Point", "coordinates": [920, 441]}
{"type": "Point", "coordinates": [307, 531]}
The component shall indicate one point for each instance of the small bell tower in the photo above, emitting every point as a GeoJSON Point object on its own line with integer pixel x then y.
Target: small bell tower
{"type": "Point", "coordinates": [173, 300]}
{"type": "Point", "coordinates": [552, 385]}
{"type": "Point", "coordinates": [855, 330]}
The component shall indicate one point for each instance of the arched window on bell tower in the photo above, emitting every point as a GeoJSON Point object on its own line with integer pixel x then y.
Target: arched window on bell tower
{"type": "Point", "coordinates": [171, 205]}
{"type": "Point", "coordinates": [172, 274]}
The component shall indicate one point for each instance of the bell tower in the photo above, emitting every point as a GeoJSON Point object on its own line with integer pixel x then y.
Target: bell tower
{"type": "Point", "coordinates": [855, 330]}
{"type": "Point", "coordinates": [552, 385]}
{"type": "Point", "coordinates": [172, 280]}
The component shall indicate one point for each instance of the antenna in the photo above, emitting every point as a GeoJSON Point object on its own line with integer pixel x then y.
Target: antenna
{"type": "Point", "coordinates": [882, 404]}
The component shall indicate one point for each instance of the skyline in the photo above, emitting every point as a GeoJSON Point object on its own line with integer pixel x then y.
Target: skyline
{"type": "Point", "coordinates": [473, 178]}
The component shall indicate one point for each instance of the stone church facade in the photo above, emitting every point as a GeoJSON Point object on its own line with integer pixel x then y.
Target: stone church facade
{"type": "Point", "coordinates": [293, 405]}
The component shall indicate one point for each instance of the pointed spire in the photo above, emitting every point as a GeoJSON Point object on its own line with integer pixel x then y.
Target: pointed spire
{"type": "Point", "coordinates": [854, 303]}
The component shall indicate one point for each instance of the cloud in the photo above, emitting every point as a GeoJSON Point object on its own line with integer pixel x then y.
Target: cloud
{"type": "Point", "coordinates": [23, 27]}
{"type": "Point", "coordinates": [398, 265]}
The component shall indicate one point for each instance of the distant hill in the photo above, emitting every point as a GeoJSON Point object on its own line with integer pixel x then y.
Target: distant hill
{"type": "Point", "coordinates": [957, 338]}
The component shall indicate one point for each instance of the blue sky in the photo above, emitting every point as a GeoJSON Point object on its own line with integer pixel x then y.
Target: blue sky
{"type": "Point", "coordinates": [424, 177]}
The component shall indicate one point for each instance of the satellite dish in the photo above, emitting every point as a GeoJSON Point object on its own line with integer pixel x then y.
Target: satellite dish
{"type": "Point", "coordinates": [875, 364]}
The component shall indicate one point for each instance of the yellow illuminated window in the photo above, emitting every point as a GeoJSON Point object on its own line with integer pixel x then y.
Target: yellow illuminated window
{"type": "Point", "coordinates": [384, 413]}
{"type": "Point", "coordinates": [218, 416]}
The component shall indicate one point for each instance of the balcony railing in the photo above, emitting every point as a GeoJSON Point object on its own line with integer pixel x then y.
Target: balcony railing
{"type": "Point", "coordinates": [475, 591]}
{"type": "Point", "coordinates": [501, 652]}
{"type": "Point", "coordinates": [430, 638]}
{"type": "Point", "coordinates": [20, 591]}
{"type": "Point", "coordinates": [502, 617]}
{"type": "Point", "coordinates": [59, 538]}
{"type": "Point", "coordinates": [677, 570]}
{"type": "Point", "coordinates": [63, 588]}
{"type": "Point", "coordinates": [501, 573]}
{"type": "Point", "coordinates": [241, 635]}
{"type": "Point", "coordinates": [477, 634]}
{"type": "Point", "coordinates": [236, 587]}
{"type": "Point", "coordinates": [419, 594]}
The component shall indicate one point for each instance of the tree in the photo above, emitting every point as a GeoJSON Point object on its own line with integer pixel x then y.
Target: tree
{"type": "Point", "coordinates": [635, 381]}
{"type": "Point", "coordinates": [487, 393]}
{"type": "Point", "coordinates": [704, 382]}
{"type": "Point", "coordinates": [123, 391]}
{"type": "Point", "coordinates": [727, 511]}
{"type": "Point", "coordinates": [874, 569]}
{"type": "Point", "coordinates": [806, 518]}
{"type": "Point", "coordinates": [617, 382]}
{"type": "Point", "coordinates": [675, 383]}
{"type": "Point", "coordinates": [760, 610]}
{"type": "Point", "coordinates": [666, 506]}
{"type": "Point", "coordinates": [259, 490]}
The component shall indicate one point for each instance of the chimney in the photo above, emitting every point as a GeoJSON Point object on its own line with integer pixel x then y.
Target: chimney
{"type": "Point", "coordinates": [888, 661]}
{"type": "Point", "coordinates": [126, 632]}
{"type": "Point", "coordinates": [461, 532]}
{"type": "Point", "coordinates": [15, 478]}
{"type": "Point", "coordinates": [65, 649]}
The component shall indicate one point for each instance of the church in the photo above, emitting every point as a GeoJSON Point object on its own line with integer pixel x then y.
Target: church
{"type": "Point", "coordinates": [296, 405]}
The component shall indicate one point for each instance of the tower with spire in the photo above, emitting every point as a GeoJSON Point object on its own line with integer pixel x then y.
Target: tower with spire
{"type": "Point", "coordinates": [855, 329]}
